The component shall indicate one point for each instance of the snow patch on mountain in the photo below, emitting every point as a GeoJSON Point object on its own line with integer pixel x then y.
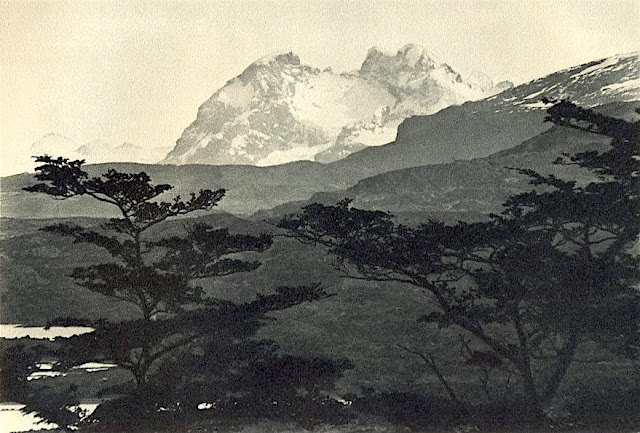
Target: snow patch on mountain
{"type": "Point", "coordinates": [237, 94]}
{"type": "Point", "coordinates": [612, 79]}
{"type": "Point", "coordinates": [293, 154]}
{"type": "Point", "coordinates": [627, 86]}
{"type": "Point", "coordinates": [332, 101]}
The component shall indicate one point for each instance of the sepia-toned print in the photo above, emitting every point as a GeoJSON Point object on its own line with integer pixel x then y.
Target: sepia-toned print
{"type": "Point", "coordinates": [320, 217]}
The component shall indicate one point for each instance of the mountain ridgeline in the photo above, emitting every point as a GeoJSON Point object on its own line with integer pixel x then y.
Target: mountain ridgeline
{"type": "Point", "coordinates": [280, 110]}
{"type": "Point", "coordinates": [504, 129]}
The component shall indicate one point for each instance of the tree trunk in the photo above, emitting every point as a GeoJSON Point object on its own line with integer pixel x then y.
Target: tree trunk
{"type": "Point", "coordinates": [565, 359]}
{"type": "Point", "coordinates": [524, 366]}
{"type": "Point", "coordinates": [530, 392]}
{"type": "Point", "coordinates": [431, 363]}
{"type": "Point", "coordinates": [141, 376]}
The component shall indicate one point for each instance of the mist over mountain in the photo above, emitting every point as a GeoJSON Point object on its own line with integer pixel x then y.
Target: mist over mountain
{"type": "Point", "coordinates": [280, 110]}
{"type": "Point", "coordinates": [96, 151]}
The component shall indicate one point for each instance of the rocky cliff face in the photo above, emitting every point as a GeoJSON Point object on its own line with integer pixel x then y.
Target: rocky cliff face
{"type": "Point", "coordinates": [421, 85]}
{"type": "Point", "coordinates": [279, 110]}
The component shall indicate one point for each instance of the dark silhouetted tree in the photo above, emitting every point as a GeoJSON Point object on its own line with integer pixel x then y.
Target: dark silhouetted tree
{"type": "Point", "coordinates": [152, 274]}
{"type": "Point", "coordinates": [529, 285]}
{"type": "Point", "coordinates": [184, 347]}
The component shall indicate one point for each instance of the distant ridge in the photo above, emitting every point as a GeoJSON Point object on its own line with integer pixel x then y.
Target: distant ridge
{"type": "Point", "coordinates": [95, 151]}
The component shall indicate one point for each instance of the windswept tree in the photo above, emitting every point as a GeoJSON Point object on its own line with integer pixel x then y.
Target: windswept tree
{"type": "Point", "coordinates": [554, 270]}
{"type": "Point", "coordinates": [183, 346]}
{"type": "Point", "coordinates": [151, 274]}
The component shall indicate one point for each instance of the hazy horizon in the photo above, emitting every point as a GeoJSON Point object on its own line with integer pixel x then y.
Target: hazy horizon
{"type": "Point", "coordinates": [137, 71]}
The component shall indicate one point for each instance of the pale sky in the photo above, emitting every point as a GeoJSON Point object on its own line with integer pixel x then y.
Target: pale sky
{"type": "Point", "coordinates": [137, 71]}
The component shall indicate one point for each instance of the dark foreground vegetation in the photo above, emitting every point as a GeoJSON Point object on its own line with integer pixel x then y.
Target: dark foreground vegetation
{"type": "Point", "coordinates": [526, 298]}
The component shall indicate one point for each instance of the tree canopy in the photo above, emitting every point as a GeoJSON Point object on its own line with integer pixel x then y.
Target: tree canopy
{"type": "Point", "coordinates": [553, 270]}
{"type": "Point", "coordinates": [182, 336]}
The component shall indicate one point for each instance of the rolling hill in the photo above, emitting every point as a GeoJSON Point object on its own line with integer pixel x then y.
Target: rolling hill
{"type": "Point", "coordinates": [467, 190]}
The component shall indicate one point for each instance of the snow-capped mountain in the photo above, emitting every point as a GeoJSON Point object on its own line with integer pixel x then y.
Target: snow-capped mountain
{"type": "Point", "coordinates": [612, 79]}
{"type": "Point", "coordinates": [96, 151]}
{"type": "Point", "coordinates": [479, 128]}
{"type": "Point", "coordinates": [279, 110]}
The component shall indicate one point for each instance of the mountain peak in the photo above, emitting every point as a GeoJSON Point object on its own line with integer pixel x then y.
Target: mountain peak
{"type": "Point", "coordinates": [53, 144]}
{"type": "Point", "coordinates": [413, 53]}
{"type": "Point", "coordinates": [55, 134]}
{"type": "Point", "coordinates": [410, 55]}
{"type": "Point", "coordinates": [374, 51]}
{"type": "Point", "coordinates": [279, 110]}
{"type": "Point", "coordinates": [281, 58]}
{"type": "Point", "coordinates": [412, 58]}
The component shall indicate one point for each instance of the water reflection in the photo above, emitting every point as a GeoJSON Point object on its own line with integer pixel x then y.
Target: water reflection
{"type": "Point", "coordinates": [13, 420]}
{"type": "Point", "coordinates": [40, 333]}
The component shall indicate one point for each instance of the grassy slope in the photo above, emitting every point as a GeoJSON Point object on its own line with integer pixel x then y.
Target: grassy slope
{"type": "Point", "coordinates": [363, 322]}
{"type": "Point", "coordinates": [466, 190]}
